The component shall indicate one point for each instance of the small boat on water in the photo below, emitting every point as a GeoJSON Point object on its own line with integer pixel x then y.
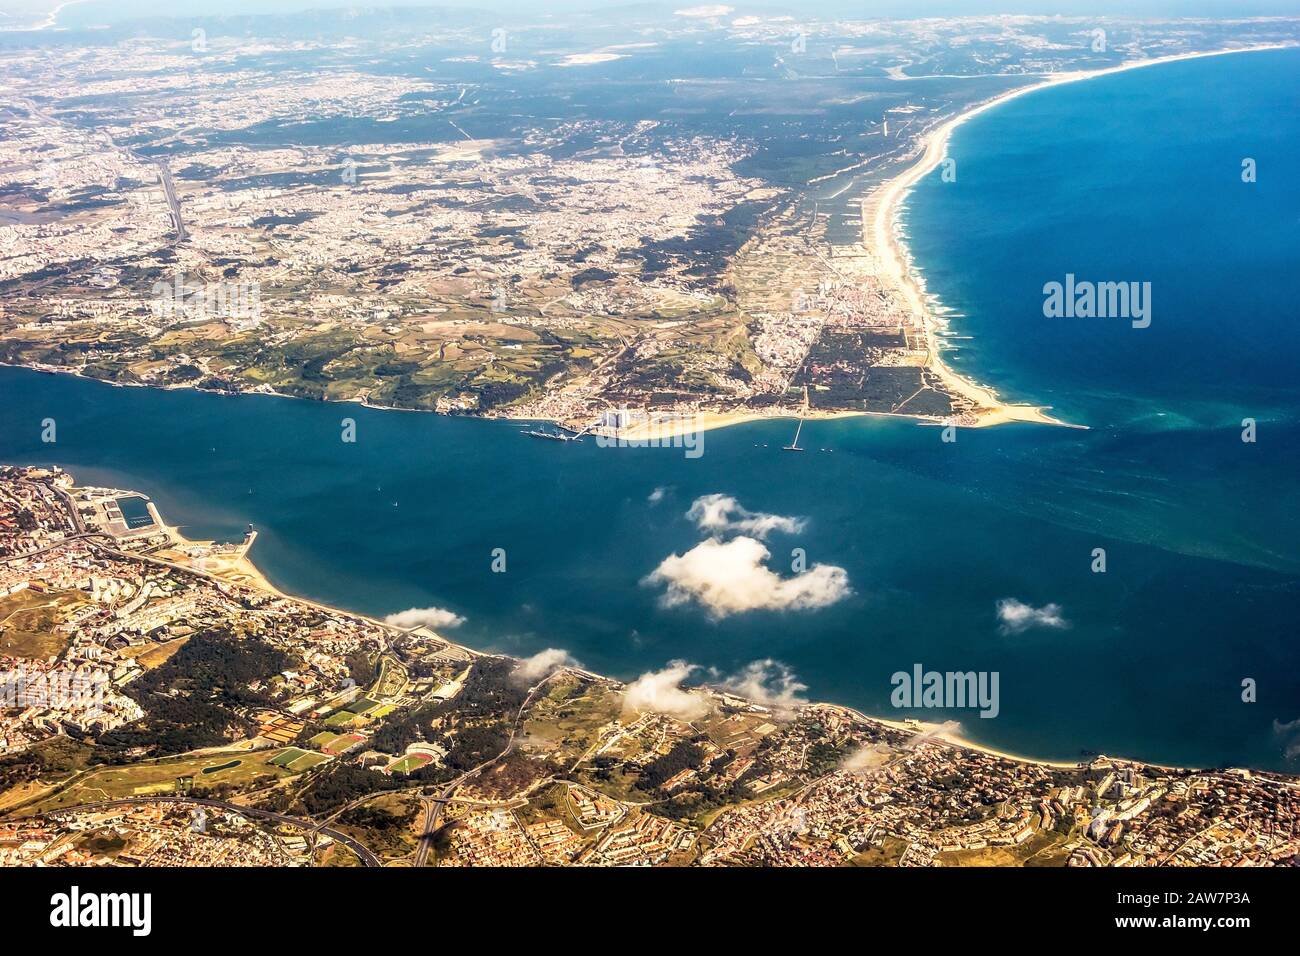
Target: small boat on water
{"type": "Point", "coordinates": [794, 445]}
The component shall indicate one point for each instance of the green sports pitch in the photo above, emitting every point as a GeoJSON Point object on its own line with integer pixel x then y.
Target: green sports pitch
{"type": "Point", "coordinates": [291, 758]}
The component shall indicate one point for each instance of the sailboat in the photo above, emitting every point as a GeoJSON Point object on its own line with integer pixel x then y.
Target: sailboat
{"type": "Point", "coordinates": [794, 445]}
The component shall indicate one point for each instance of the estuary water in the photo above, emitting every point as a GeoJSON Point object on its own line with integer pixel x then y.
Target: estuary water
{"type": "Point", "coordinates": [1129, 177]}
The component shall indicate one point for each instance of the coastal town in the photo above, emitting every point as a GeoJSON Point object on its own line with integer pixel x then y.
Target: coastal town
{"type": "Point", "coordinates": [164, 705]}
{"type": "Point", "coordinates": [437, 239]}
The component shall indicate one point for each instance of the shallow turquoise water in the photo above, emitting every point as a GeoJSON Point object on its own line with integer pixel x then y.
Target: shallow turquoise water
{"type": "Point", "coordinates": [1199, 529]}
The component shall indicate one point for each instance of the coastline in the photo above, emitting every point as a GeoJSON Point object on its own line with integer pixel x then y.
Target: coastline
{"type": "Point", "coordinates": [236, 568]}
{"type": "Point", "coordinates": [880, 213]}
{"type": "Point", "coordinates": [244, 572]}
{"type": "Point", "coordinates": [240, 570]}
{"type": "Point", "coordinates": [946, 732]}
{"type": "Point", "coordinates": [880, 225]}
{"type": "Point", "coordinates": [669, 425]}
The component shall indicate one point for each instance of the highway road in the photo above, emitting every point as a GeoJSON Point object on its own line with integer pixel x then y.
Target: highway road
{"type": "Point", "coordinates": [56, 545]}
{"type": "Point", "coordinates": [433, 805]}
{"type": "Point", "coordinates": [164, 173]}
{"type": "Point", "coordinates": [165, 176]}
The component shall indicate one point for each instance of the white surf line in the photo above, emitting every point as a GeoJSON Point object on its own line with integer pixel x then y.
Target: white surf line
{"type": "Point", "coordinates": [890, 247]}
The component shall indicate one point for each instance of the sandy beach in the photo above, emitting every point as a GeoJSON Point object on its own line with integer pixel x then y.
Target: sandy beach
{"type": "Point", "coordinates": [950, 734]}
{"type": "Point", "coordinates": [880, 235]}
{"type": "Point", "coordinates": [880, 213]}
{"type": "Point", "coordinates": [669, 425]}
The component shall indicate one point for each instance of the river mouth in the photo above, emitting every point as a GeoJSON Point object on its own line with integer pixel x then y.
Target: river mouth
{"type": "Point", "coordinates": [930, 537]}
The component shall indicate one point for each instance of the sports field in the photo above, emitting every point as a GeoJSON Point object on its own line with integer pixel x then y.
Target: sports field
{"type": "Point", "coordinates": [335, 744]}
{"type": "Point", "coordinates": [295, 760]}
{"type": "Point", "coordinates": [409, 762]}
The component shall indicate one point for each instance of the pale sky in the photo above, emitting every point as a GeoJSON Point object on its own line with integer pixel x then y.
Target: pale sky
{"type": "Point", "coordinates": [119, 10]}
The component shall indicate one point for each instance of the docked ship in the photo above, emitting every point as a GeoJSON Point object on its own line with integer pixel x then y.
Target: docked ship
{"type": "Point", "coordinates": [552, 435]}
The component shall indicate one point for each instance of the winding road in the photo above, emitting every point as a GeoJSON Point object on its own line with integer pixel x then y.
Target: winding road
{"type": "Point", "coordinates": [434, 805]}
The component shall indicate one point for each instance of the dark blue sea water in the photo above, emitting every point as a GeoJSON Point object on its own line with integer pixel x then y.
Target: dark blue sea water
{"type": "Point", "coordinates": [1199, 529]}
{"type": "Point", "coordinates": [1133, 176]}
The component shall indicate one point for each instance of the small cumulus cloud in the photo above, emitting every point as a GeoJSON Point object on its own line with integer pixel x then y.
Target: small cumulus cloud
{"type": "Point", "coordinates": [434, 618]}
{"type": "Point", "coordinates": [1288, 735]}
{"type": "Point", "coordinates": [657, 495]}
{"type": "Point", "coordinates": [872, 756]}
{"type": "Point", "coordinates": [945, 730]}
{"type": "Point", "coordinates": [706, 11]}
{"type": "Point", "coordinates": [866, 758]}
{"type": "Point", "coordinates": [769, 683]}
{"type": "Point", "coordinates": [723, 514]}
{"type": "Point", "coordinates": [1015, 616]}
{"type": "Point", "coordinates": [543, 664]}
{"type": "Point", "coordinates": [587, 59]}
{"type": "Point", "coordinates": [661, 692]}
{"type": "Point", "coordinates": [730, 577]}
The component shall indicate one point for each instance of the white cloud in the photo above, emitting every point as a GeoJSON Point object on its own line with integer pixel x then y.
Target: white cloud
{"type": "Point", "coordinates": [705, 10]}
{"type": "Point", "coordinates": [433, 618]}
{"type": "Point", "coordinates": [661, 692]}
{"type": "Point", "coordinates": [730, 577]}
{"type": "Point", "coordinates": [587, 59]}
{"type": "Point", "coordinates": [541, 664]}
{"type": "Point", "coordinates": [944, 730]}
{"type": "Point", "coordinates": [750, 21]}
{"type": "Point", "coordinates": [1016, 616]}
{"type": "Point", "coordinates": [657, 495]}
{"type": "Point", "coordinates": [1288, 735]}
{"type": "Point", "coordinates": [723, 514]}
{"type": "Point", "coordinates": [865, 758]}
{"type": "Point", "coordinates": [769, 683]}
{"type": "Point", "coordinates": [871, 756]}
